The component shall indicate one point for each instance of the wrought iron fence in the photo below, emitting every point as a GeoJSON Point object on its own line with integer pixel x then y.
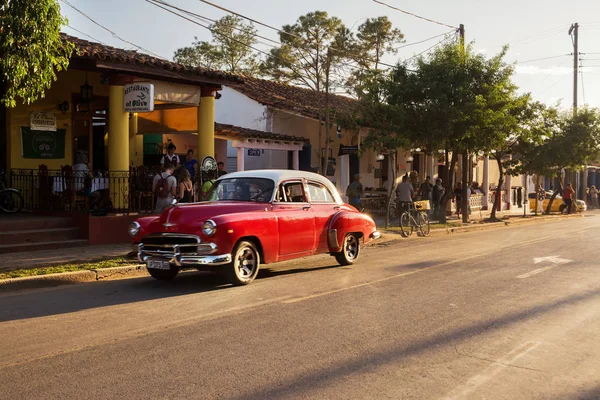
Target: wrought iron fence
{"type": "Point", "coordinates": [78, 191]}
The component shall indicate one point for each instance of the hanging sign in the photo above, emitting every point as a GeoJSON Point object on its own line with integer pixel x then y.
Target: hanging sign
{"type": "Point", "coordinates": [139, 97]}
{"type": "Point", "coordinates": [42, 144]}
{"type": "Point", "coordinates": [42, 121]}
{"type": "Point", "coordinates": [208, 164]}
{"type": "Point", "coordinates": [347, 150]}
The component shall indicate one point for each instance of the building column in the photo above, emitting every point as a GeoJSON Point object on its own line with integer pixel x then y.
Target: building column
{"type": "Point", "coordinates": [296, 159]}
{"type": "Point", "coordinates": [206, 124]}
{"type": "Point", "coordinates": [118, 148]}
{"type": "Point", "coordinates": [486, 182]}
{"type": "Point", "coordinates": [240, 158]}
{"type": "Point", "coordinates": [507, 187]}
{"type": "Point", "coordinates": [585, 184]}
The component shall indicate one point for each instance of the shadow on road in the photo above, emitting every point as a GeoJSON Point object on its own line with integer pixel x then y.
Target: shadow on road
{"type": "Point", "coordinates": [394, 355]}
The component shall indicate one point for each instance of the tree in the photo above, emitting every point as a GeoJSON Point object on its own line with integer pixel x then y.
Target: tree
{"type": "Point", "coordinates": [376, 37]}
{"type": "Point", "coordinates": [230, 49]}
{"type": "Point", "coordinates": [31, 49]}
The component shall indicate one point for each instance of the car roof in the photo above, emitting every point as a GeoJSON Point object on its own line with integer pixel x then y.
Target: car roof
{"type": "Point", "coordinates": [279, 175]}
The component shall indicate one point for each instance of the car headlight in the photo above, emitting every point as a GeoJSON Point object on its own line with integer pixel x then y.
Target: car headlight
{"type": "Point", "coordinates": [209, 228]}
{"type": "Point", "coordinates": [134, 228]}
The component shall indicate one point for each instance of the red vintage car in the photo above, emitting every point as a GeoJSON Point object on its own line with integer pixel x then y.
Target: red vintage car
{"type": "Point", "coordinates": [253, 217]}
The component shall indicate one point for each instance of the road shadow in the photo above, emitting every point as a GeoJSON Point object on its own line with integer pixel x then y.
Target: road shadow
{"type": "Point", "coordinates": [369, 364]}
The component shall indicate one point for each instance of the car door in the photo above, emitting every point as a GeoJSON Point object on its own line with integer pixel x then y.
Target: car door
{"type": "Point", "coordinates": [324, 206]}
{"type": "Point", "coordinates": [295, 219]}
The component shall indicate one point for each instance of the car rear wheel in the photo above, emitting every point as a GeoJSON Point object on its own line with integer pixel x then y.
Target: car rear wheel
{"type": "Point", "coordinates": [245, 265]}
{"type": "Point", "coordinates": [350, 250]}
{"type": "Point", "coordinates": [163, 274]}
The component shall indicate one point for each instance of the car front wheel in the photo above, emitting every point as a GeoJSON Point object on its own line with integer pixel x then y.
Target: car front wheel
{"type": "Point", "coordinates": [245, 264]}
{"type": "Point", "coordinates": [350, 250]}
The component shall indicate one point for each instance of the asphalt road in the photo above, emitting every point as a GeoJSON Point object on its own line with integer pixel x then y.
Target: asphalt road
{"type": "Point", "coordinates": [465, 316]}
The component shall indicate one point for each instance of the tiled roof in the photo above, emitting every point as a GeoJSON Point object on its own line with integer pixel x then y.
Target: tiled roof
{"type": "Point", "coordinates": [281, 96]}
{"type": "Point", "coordinates": [86, 49]}
{"type": "Point", "coordinates": [235, 132]}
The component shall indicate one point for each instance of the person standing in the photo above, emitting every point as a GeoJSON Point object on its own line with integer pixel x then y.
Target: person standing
{"type": "Point", "coordinates": [404, 195]}
{"type": "Point", "coordinates": [170, 157]}
{"type": "Point", "coordinates": [458, 198]}
{"type": "Point", "coordinates": [425, 192]}
{"type": "Point", "coordinates": [541, 196]}
{"type": "Point", "coordinates": [191, 164]}
{"type": "Point", "coordinates": [436, 198]}
{"type": "Point", "coordinates": [354, 191]}
{"type": "Point", "coordinates": [221, 169]}
{"type": "Point", "coordinates": [164, 187]}
{"type": "Point", "coordinates": [568, 193]}
{"type": "Point", "coordinates": [208, 184]}
{"type": "Point", "coordinates": [594, 197]}
{"type": "Point", "coordinates": [185, 186]}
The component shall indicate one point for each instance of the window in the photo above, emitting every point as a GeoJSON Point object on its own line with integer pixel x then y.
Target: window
{"type": "Point", "coordinates": [319, 193]}
{"type": "Point", "coordinates": [242, 189]}
{"type": "Point", "coordinates": [291, 192]}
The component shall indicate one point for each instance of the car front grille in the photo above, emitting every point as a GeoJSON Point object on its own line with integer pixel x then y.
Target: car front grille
{"type": "Point", "coordinates": [164, 243]}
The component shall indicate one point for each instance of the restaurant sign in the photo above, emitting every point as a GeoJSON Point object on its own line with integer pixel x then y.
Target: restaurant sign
{"type": "Point", "coordinates": [42, 144]}
{"type": "Point", "coordinates": [344, 150]}
{"type": "Point", "coordinates": [42, 121]}
{"type": "Point", "coordinates": [139, 97]}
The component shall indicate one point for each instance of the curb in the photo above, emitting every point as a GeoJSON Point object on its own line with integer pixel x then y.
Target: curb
{"type": "Point", "coordinates": [66, 278]}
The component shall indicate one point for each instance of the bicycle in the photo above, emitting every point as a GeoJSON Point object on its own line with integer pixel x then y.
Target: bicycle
{"type": "Point", "coordinates": [414, 218]}
{"type": "Point", "coordinates": [11, 201]}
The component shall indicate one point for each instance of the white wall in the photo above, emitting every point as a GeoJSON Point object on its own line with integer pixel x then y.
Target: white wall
{"type": "Point", "coordinates": [234, 108]}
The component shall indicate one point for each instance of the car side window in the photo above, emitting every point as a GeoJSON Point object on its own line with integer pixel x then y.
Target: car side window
{"type": "Point", "coordinates": [291, 192]}
{"type": "Point", "coordinates": [319, 193]}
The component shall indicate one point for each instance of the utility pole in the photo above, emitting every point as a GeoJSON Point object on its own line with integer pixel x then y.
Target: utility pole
{"type": "Point", "coordinates": [574, 31]}
{"type": "Point", "coordinates": [465, 156]}
{"type": "Point", "coordinates": [327, 115]}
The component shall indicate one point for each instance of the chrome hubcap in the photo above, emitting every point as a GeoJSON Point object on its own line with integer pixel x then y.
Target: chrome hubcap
{"type": "Point", "coordinates": [351, 247]}
{"type": "Point", "coordinates": [245, 262]}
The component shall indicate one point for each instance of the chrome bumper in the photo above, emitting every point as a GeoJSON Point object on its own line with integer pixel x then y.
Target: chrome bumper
{"type": "Point", "coordinates": [183, 260]}
{"type": "Point", "coordinates": [375, 235]}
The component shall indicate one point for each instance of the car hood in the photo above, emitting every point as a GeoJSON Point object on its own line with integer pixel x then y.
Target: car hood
{"type": "Point", "coordinates": [189, 218]}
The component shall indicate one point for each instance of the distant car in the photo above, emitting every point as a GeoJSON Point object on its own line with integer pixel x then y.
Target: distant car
{"type": "Point", "coordinates": [558, 205]}
{"type": "Point", "coordinates": [253, 218]}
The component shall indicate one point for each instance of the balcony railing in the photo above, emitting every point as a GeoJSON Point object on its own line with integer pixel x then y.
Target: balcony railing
{"type": "Point", "coordinates": [71, 191]}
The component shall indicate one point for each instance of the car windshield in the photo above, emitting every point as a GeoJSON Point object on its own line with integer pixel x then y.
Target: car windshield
{"type": "Point", "coordinates": [242, 189]}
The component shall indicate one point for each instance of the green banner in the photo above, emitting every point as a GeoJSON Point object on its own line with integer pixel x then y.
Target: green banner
{"type": "Point", "coordinates": [42, 144]}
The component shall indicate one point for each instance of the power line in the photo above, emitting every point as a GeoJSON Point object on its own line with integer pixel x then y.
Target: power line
{"type": "Point", "coordinates": [543, 58]}
{"type": "Point", "coordinates": [426, 50]}
{"type": "Point", "coordinates": [412, 14]}
{"type": "Point", "coordinates": [108, 30]}
{"type": "Point", "coordinates": [85, 34]}
{"type": "Point", "coordinates": [424, 40]}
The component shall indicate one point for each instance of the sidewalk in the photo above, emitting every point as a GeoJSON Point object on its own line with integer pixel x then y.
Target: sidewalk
{"type": "Point", "coordinates": [47, 258]}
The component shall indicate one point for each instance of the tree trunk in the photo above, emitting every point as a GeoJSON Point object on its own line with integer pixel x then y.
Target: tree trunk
{"type": "Point", "coordinates": [465, 178]}
{"type": "Point", "coordinates": [392, 159]}
{"type": "Point", "coordinates": [537, 184]}
{"type": "Point", "coordinates": [448, 183]}
{"type": "Point", "coordinates": [556, 192]}
{"type": "Point", "coordinates": [498, 194]}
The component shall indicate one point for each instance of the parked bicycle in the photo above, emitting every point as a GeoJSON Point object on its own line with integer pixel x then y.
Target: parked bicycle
{"type": "Point", "coordinates": [414, 218]}
{"type": "Point", "coordinates": [11, 201]}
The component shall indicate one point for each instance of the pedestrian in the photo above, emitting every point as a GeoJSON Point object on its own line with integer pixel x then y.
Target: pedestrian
{"type": "Point", "coordinates": [221, 169]}
{"type": "Point", "coordinates": [594, 197]}
{"type": "Point", "coordinates": [458, 198]}
{"type": "Point", "coordinates": [568, 193]}
{"type": "Point", "coordinates": [191, 164]}
{"type": "Point", "coordinates": [404, 195]}
{"type": "Point", "coordinates": [541, 195]}
{"type": "Point", "coordinates": [164, 187]}
{"type": "Point", "coordinates": [170, 157]}
{"type": "Point", "coordinates": [436, 198]}
{"type": "Point", "coordinates": [354, 191]}
{"type": "Point", "coordinates": [185, 186]}
{"type": "Point", "coordinates": [208, 184]}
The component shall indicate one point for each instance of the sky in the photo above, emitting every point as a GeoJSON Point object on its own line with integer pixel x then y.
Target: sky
{"type": "Point", "coordinates": [533, 29]}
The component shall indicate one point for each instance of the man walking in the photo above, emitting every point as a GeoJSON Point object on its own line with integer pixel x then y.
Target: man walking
{"type": "Point", "coordinates": [436, 198]}
{"type": "Point", "coordinates": [568, 197]}
{"type": "Point", "coordinates": [354, 191]}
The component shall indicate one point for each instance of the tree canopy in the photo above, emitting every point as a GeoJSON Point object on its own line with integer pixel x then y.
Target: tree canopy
{"type": "Point", "coordinates": [31, 49]}
{"type": "Point", "coordinates": [230, 49]}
